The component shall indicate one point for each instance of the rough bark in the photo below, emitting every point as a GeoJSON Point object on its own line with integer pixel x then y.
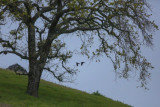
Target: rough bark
{"type": "Point", "coordinates": [34, 72]}
{"type": "Point", "coordinates": [33, 82]}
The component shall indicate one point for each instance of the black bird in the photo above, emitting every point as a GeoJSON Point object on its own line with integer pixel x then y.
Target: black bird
{"type": "Point", "coordinates": [82, 63]}
{"type": "Point", "coordinates": [77, 63]}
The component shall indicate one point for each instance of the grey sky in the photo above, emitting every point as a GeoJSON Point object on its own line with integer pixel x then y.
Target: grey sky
{"type": "Point", "coordinates": [100, 76]}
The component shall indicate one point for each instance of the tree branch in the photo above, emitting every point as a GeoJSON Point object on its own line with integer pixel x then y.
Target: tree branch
{"type": "Point", "coordinates": [80, 29]}
{"type": "Point", "coordinates": [7, 44]}
{"type": "Point", "coordinates": [14, 52]}
{"type": "Point", "coordinates": [58, 77]}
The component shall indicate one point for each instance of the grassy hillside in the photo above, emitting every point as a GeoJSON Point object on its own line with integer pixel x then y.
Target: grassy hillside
{"type": "Point", "coordinates": [13, 87]}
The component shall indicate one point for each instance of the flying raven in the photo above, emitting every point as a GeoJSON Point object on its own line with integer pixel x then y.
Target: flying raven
{"type": "Point", "coordinates": [82, 63]}
{"type": "Point", "coordinates": [77, 63]}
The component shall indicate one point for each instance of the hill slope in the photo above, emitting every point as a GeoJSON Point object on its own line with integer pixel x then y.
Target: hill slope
{"type": "Point", "coordinates": [13, 87]}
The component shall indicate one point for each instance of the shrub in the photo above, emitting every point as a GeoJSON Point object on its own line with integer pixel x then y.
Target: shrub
{"type": "Point", "coordinates": [97, 93]}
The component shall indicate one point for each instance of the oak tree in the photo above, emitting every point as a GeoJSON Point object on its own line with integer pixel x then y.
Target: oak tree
{"type": "Point", "coordinates": [120, 26]}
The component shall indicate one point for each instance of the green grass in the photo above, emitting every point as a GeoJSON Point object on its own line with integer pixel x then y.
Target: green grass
{"type": "Point", "coordinates": [13, 87]}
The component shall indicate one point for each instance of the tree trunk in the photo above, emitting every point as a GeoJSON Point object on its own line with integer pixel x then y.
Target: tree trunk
{"type": "Point", "coordinates": [34, 81]}
{"type": "Point", "coordinates": [34, 70]}
{"type": "Point", "coordinates": [36, 66]}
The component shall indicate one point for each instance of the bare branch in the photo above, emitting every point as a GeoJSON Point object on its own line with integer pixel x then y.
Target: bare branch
{"type": "Point", "coordinates": [58, 77]}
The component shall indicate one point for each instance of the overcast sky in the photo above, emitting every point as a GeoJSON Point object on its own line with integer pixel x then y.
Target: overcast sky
{"type": "Point", "coordinates": [100, 76]}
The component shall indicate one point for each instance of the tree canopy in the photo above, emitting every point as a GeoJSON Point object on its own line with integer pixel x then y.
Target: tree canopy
{"type": "Point", "coordinates": [120, 26]}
